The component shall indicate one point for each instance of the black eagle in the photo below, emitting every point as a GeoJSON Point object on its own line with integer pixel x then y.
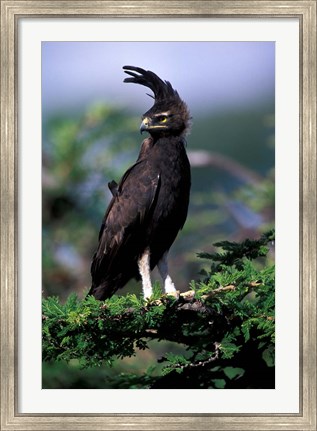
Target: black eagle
{"type": "Point", "coordinates": [149, 205]}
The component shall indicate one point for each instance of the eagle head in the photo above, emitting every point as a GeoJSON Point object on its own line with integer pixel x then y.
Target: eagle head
{"type": "Point", "coordinates": [169, 115]}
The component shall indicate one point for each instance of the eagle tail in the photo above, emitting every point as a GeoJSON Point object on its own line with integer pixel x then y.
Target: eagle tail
{"type": "Point", "coordinates": [103, 290]}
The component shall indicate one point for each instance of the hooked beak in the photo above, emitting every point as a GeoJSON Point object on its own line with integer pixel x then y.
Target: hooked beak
{"type": "Point", "coordinates": [145, 124]}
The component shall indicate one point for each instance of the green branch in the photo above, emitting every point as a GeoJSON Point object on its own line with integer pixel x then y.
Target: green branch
{"type": "Point", "coordinates": [225, 322]}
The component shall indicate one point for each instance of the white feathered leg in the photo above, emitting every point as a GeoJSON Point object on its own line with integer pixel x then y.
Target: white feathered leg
{"type": "Point", "coordinates": [169, 286]}
{"type": "Point", "coordinates": [144, 269]}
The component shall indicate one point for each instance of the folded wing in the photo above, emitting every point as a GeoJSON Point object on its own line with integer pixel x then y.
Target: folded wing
{"type": "Point", "coordinates": [122, 234]}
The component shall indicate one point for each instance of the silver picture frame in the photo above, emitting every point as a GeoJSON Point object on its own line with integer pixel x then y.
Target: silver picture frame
{"type": "Point", "coordinates": [11, 13]}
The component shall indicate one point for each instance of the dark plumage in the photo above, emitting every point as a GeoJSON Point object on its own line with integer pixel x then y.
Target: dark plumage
{"type": "Point", "coordinates": [149, 205]}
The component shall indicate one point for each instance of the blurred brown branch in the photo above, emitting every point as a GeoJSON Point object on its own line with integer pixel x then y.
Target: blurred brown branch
{"type": "Point", "coordinates": [200, 158]}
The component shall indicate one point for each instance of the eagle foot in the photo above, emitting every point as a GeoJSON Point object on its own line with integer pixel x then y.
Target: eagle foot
{"type": "Point", "coordinates": [189, 295]}
{"type": "Point", "coordinates": [175, 294]}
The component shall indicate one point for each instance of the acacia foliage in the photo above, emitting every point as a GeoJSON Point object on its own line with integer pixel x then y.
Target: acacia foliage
{"type": "Point", "coordinates": [225, 325]}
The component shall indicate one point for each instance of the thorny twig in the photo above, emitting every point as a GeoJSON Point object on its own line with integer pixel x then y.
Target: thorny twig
{"type": "Point", "coordinates": [212, 358]}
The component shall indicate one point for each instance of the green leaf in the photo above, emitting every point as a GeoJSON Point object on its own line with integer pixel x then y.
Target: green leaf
{"type": "Point", "coordinates": [269, 356]}
{"type": "Point", "coordinates": [233, 372]}
{"type": "Point", "coordinates": [219, 383]}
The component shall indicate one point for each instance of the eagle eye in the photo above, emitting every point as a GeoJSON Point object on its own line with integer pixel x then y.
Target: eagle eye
{"type": "Point", "coordinates": [162, 118]}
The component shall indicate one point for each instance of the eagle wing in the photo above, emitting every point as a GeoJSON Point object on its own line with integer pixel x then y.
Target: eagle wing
{"type": "Point", "coordinates": [124, 223]}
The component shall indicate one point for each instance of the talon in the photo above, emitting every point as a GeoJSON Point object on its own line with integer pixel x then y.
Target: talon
{"type": "Point", "coordinates": [190, 294]}
{"type": "Point", "coordinates": [175, 294]}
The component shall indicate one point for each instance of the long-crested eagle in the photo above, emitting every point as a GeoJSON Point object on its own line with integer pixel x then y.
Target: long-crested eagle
{"type": "Point", "coordinates": [149, 205]}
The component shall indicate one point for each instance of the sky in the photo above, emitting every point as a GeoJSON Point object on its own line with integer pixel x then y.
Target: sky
{"type": "Point", "coordinates": [208, 75]}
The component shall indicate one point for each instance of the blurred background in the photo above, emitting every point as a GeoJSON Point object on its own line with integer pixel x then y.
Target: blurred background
{"type": "Point", "coordinates": [90, 132]}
